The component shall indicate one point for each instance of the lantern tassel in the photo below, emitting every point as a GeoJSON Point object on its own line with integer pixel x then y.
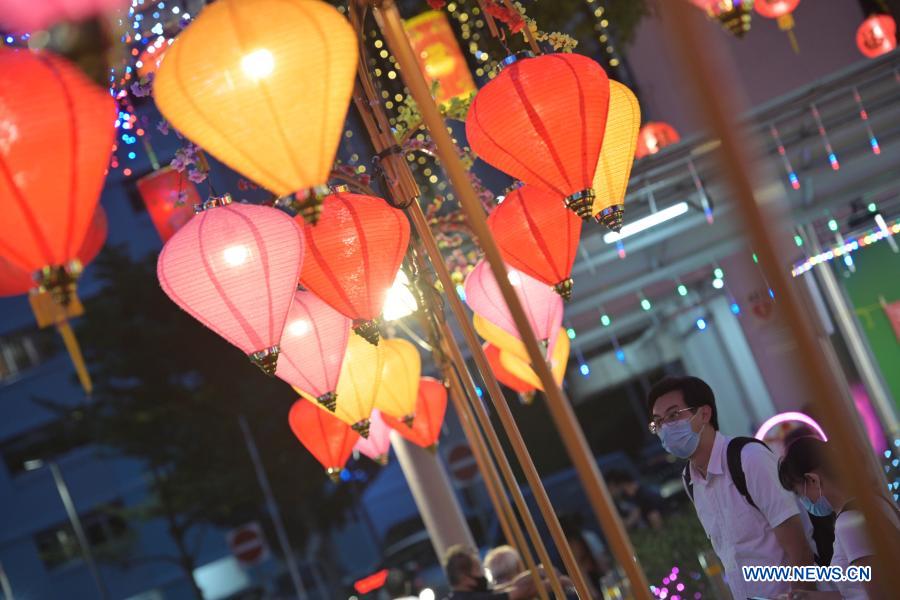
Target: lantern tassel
{"type": "Point", "coordinates": [328, 400]}
{"type": "Point", "coordinates": [786, 24]}
{"type": "Point", "coordinates": [367, 330]}
{"type": "Point", "coordinates": [71, 342]}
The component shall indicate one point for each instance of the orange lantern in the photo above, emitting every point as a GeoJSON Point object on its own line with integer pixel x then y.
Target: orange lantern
{"type": "Point", "coordinates": [559, 360]}
{"type": "Point", "coordinates": [326, 437]}
{"type": "Point", "coordinates": [541, 120]}
{"type": "Point", "coordinates": [617, 156]}
{"type": "Point", "coordinates": [780, 10]}
{"type": "Point", "coordinates": [537, 236]}
{"type": "Point", "coordinates": [877, 35]}
{"type": "Point", "coordinates": [431, 406]}
{"type": "Point", "coordinates": [400, 374]}
{"type": "Point", "coordinates": [170, 198]}
{"type": "Point", "coordinates": [439, 55]}
{"type": "Point", "coordinates": [504, 376]}
{"type": "Point", "coordinates": [653, 137]}
{"type": "Point", "coordinates": [263, 85]}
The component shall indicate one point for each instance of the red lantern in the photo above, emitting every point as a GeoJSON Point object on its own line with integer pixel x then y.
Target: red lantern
{"type": "Point", "coordinates": [877, 35]}
{"type": "Point", "coordinates": [352, 256]}
{"type": "Point", "coordinates": [14, 281]}
{"type": "Point", "coordinates": [542, 121]}
{"type": "Point", "coordinates": [170, 198]}
{"type": "Point", "coordinates": [653, 137]}
{"type": "Point", "coordinates": [780, 10]}
{"type": "Point", "coordinates": [326, 437]}
{"type": "Point", "coordinates": [525, 389]}
{"type": "Point", "coordinates": [56, 135]}
{"type": "Point", "coordinates": [431, 406]}
{"type": "Point", "coordinates": [234, 268]}
{"type": "Point", "coordinates": [537, 236]}
{"type": "Point", "coordinates": [25, 15]}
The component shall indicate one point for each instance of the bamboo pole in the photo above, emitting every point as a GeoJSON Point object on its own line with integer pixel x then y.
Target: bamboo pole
{"type": "Point", "coordinates": [563, 415]}
{"type": "Point", "coordinates": [688, 40]}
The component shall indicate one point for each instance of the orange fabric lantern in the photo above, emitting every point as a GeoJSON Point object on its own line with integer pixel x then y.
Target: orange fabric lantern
{"type": "Point", "coordinates": [326, 437]}
{"type": "Point", "coordinates": [542, 120]}
{"type": "Point", "coordinates": [877, 35]}
{"type": "Point", "coordinates": [264, 86]}
{"type": "Point", "coordinates": [56, 135]}
{"type": "Point", "coordinates": [352, 256]}
{"type": "Point", "coordinates": [400, 374]}
{"type": "Point", "coordinates": [537, 236]}
{"type": "Point", "coordinates": [617, 156]}
{"type": "Point", "coordinates": [559, 360]}
{"type": "Point", "coordinates": [357, 386]}
{"type": "Point", "coordinates": [502, 374]}
{"type": "Point", "coordinates": [653, 137]}
{"type": "Point", "coordinates": [170, 198]}
{"type": "Point", "coordinates": [439, 55]}
{"type": "Point", "coordinates": [431, 406]}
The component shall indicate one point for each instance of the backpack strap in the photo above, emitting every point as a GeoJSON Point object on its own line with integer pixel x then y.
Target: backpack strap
{"type": "Point", "coordinates": [736, 468]}
{"type": "Point", "coordinates": [686, 481]}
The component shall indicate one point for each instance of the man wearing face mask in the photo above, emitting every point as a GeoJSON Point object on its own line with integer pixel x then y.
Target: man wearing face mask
{"type": "Point", "coordinates": [468, 581]}
{"type": "Point", "coordinates": [747, 515]}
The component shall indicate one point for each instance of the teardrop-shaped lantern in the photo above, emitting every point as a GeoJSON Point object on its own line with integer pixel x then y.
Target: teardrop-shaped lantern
{"type": "Point", "coordinates": [559, 360]}
{"type": "Point", "coordinates": [542, 120]}
{"type": "Point", "coordinates": [56, 135]}
{"type": "Point", "coordinates": [23, 16]}
{"type": "Point", "coordinates": [234, 268]}
{"type": "Point", "coordinates": [378, 445]}
{"type": "Point", "coordinates": [504, 376]}
{"type": "Point", "coordinates": [877, 35]}
{"type": "Point", "coordinates": [431, 406]}
{"type": "Point", "coordinates": [503, 340]}
{"type": "Point", "coordinates": [537, 236]}
{"type": "Point", "coordinates": [653, 137]}
{"type": "Point", "coordinates": [264, 86]}
{"type": "Point", "coordinates": [326, 437]}
{"type": "Point", "coordinates": [616, 157]}
{"type": "Point", "coordinates": [358, 384]}
{"type": "Point", "coordinates": [400, 374]}
{"type": "Point", "coordinates": [543, 307]}
{"type": "Point", "coordinates": [15, 281]}
{"type": "Point", "coordinates": [352, 256]}
{"type": "Point", "coordinates": [313, 345]}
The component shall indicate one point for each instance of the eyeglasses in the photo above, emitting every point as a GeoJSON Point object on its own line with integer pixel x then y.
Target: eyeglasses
{"type": "Point", "coordinates": [657, 422]}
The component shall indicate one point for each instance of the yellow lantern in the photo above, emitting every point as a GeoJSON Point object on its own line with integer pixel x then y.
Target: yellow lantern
{"type": "Point", "coordinates": [616, 156]}
{"type": "Point", "coordinates": [357, 385]}
{"type": "Point", "coordinates": [497, 336]}
{"type": "Point", "coordinates": [522, 368]}
{"type": "Point", "coordinates": [264, 86]}
{"type": "Point", "coordinates": [400, 374]}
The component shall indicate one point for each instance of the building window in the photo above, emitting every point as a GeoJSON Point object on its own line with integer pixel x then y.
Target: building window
{"type": "Point", "coordinates": [46, 442]}
{"type": "Point", "coordinates": [106, 530]}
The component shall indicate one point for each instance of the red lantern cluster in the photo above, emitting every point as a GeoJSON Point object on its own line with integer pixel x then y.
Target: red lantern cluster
{"type": "Point", "coordinates": [877, 35]}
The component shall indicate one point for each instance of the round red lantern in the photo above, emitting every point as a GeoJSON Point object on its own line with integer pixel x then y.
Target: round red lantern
{"type": "Point", "coordinates": [431, 406]}
{"type": "Point", "coordinates": [234, 268]}
{"type": "Point", "coordinates": [877, 35]}
{"type": "Point", "coordinates": [542, 121]}
{"type": "Point", "coordinates": [326, 437]}
{"type": "Point", "coordinates": [653, 137]}
{"type": "Point", "coordinates": [537, 236]}
{"type": "Point", "coordinates": [56, 135]}
{"type": "Point", "coordinates": [352, 256]}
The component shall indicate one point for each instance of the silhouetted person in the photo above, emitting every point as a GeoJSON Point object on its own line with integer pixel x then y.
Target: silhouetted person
{"type": "Point", "coordinates": [638, 504]}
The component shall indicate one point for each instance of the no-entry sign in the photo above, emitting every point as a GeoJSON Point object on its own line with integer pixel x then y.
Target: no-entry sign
{"type": "Point", "coordinates": [248, 544]}
{"type": "Point", "coordinates": [461, 462]}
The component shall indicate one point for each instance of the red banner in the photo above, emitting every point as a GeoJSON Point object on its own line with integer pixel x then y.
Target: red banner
{"type": "Point", "coordinates": [439, 55]}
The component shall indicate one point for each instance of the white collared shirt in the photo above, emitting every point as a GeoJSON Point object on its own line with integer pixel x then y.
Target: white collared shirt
{"type": "Point", "coordinates": [740, 534]}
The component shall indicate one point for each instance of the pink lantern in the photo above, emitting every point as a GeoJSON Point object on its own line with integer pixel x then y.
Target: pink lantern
{"type": "Point", "coordinates": [234, 268]}
{"type": "Point", "coordinates": [378, 445]}
{"type": "Point", "coordinates": [312, 348]}
{"type": "Point", "coordinates": [542, 305]}
{"type": "Point", "coordinates": [24, 16]}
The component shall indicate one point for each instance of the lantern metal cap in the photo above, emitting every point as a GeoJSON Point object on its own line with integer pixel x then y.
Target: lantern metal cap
{"type": "Point", "coordinates": [368, 330]}
{"type": "Point", "coordinates": [526, 398]}
{"type": "Point", "coordinates": [564, 288]}
{"type": "Point", "coordinates": [512, 59]}
{"type": "Point", "coordinates": [266, 359]}
{"type": "Point", "coordinates": [362, 427]}
{"type": "Point", "coordinates": [328, 400]}
{"type": "Point", "coordinates": [213, 202]}
{"type": "Point", "coordinates": [334, 473]}
{"type": "Point", "coordinates": [409, 419]}
{"type": "Point", "coordinates": [612, 216]}
{"type": "Point", "coordinates": [382, 459]}
{"type": "Point", "coordinates": [581, 203]}
{"type": "Point", "coordinates": [59, 280]}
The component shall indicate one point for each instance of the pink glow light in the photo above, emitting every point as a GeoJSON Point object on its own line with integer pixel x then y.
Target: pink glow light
{"type": "Point", "coordinates": [785, 417]}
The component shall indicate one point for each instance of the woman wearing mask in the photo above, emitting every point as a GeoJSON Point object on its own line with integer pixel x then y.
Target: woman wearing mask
{"type": "Point", "coordinates": [808, 470]}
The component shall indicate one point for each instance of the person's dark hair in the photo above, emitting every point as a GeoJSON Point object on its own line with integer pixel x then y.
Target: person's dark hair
{"type": "Point", "coordinates": [397, 584]}
{"type": "Point", "coordinates": [804, 455]}
{"type": "Point", "coordinates": [615, 476]}
{"type": "Point", "coordinates": [458, 563]}
{"type": "Point", "coordinates": [696, 393]}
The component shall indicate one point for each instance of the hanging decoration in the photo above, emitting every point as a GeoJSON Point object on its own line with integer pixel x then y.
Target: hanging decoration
{"type": "Point", "coordinates": [358, 384]}
{"type": "Point", "coordinates": [503, 340]}
{"type": "Point", "coordinates": [537, 236]}
{"type": "Point", "coordinates": [170, 197]}
{"type": "Point", "coordinates": [326, 437]}
{"type": "Point", "coordinates": [234, 268]}
{"type": "Point", "coordinates": [559, 360]}
{"type": "Point", "coordinates": [733, 15]}
{"type": "Point", "coordinates": [439, 55]}
{"type": "Point", "coordinates": [616, 157]}
{"type": "Point", "coordinates": [653, 137]}
{"type": "Point", "coordinates": [543, 307]}
{"type": "Point", "coordinates": [378, 445]}
{"type": "Point", "coordinates": [877, 35]}
{"type": "Point", "coordinates": [264, 86]}
{"type": "Point", "coordinates": [780, 10]}
{"type": "Point", "coordinates": [24, 16]}
{"type": "Point", "coordinates": [400, 373]}
{"type": "Point", "coordinates": [431, 405]}
{"type": "Point", "coordinates": [313, 345]}
{"type": "Point", "coordinates": [504, 376]}
{"type": "Point", "coordinates": [541, 120]}
{"type": "Point", "coordinates": [352, 256]}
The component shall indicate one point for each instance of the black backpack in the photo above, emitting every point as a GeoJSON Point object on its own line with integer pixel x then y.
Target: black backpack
{"type": "Point", "coordinates": [823, 527]}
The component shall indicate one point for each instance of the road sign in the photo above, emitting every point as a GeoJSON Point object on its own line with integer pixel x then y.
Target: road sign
{"type": "Point", "coordinates": [461, 463]}
{"type": "Point", "coordinates": [248, 544]}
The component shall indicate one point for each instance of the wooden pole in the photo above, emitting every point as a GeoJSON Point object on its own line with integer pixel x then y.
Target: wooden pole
{"type": "Point", "coordinates": [563, 415]}
{"type": "Point", "coordinates": [763, 225]}
{"type": "Point", "coordinates": [71, 343]}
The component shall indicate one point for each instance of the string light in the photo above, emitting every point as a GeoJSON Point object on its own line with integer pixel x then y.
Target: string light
{"type": "Point", "coordinates": [605, 320]}
{"type": "Point", "coordinates": [864, 115]}
{"type": "Point", "coordinates": [682, 289]}
{"type": "Point", "coordinates": [792, 175]}
{"type": "Point", "coordinates": [849, 246]}
{"type": "Point", "coordinates": [701, 323]}
{"type": "Point", "coordinates": [701, 192]}
{"type": "Point", "coordinates": [832, 157]}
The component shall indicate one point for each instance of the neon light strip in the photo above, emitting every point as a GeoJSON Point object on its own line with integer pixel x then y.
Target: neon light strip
{"type": "Point", "coordinates": [789, 169]}
{"type": "Point", "coordinates": [874, 235]}
{"type": "Point", "coordinates": [651, 220]}
{"type": "Point", "coordinates": [864, 115]}
{"type": "Point", "coordinates": [786, 417]}
{"type": "Point", "coordinates": [832, 157]}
